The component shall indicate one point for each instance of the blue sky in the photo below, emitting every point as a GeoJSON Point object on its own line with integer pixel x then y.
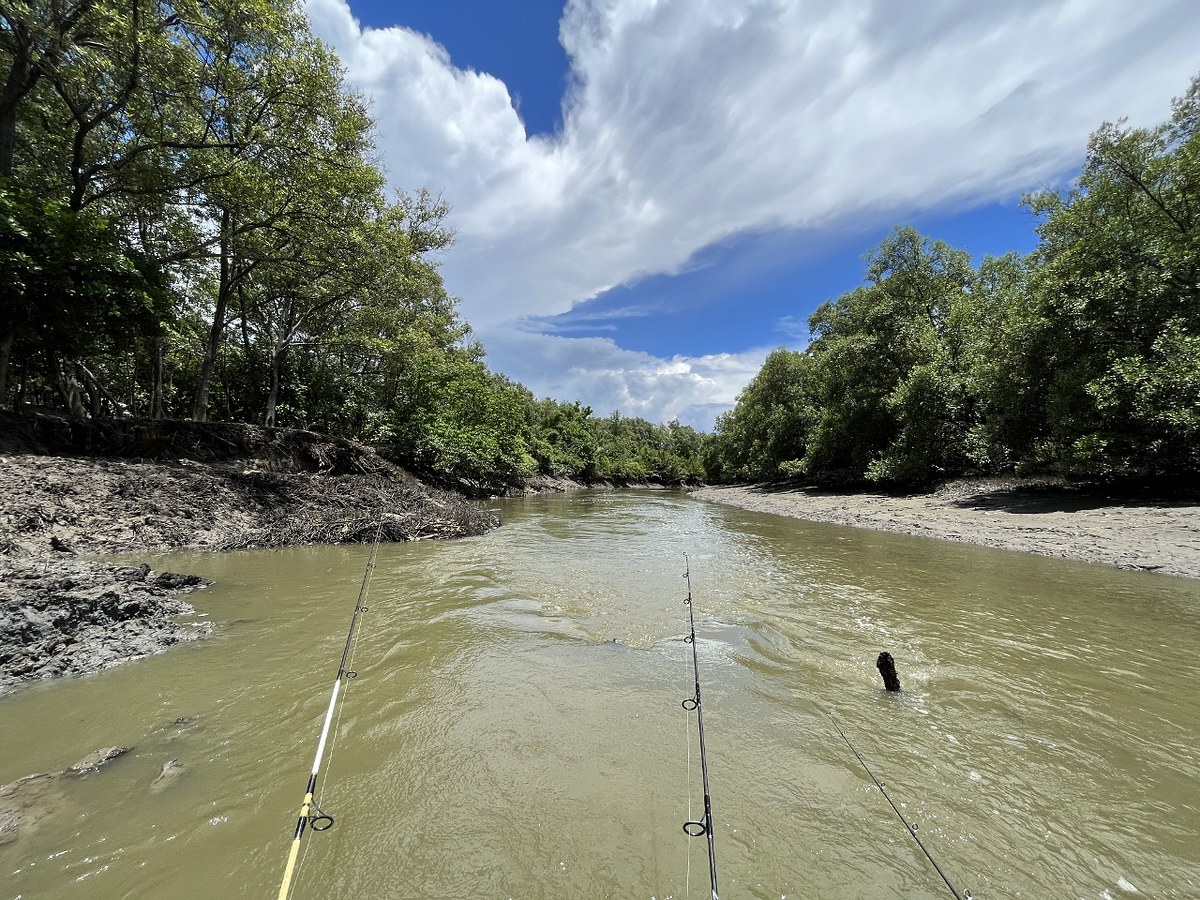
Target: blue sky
{"type": "Point", "coordinates": [650, 195]}
{"type": "Point", "coordinates": [516, 42]}
{"type": "Point", "coordinates": [760, 288]}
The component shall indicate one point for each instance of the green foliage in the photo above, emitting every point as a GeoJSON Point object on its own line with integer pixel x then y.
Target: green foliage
{"type": "Point", "coordinates": [460, 423]}
{"type": "Point", "coordinates": [1082, 359]}
{"type": "Point", "coordinates": [567, 441]}
{"type": "Point", "coordinates": [1116, 294]}
{"type": "Point", "coordinates": [869, 396]}
{"type": "Point", "coordinates": [562, 439]}
{"type": "Point", "coordinates": [70, 291]}
{"type": "Point", "coordinates": [878, 362]}
{"type": "Point", "coordinates": [770, 426]}
{"type": "Point", "coordinates": [195, 225]}
{"type": "Point", "coordinates": [191, 222]}
{"type": "Point", "coordinates": [1156, 398]}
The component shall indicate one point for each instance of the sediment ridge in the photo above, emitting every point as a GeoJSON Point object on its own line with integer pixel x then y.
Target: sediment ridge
{"type": "Point", "coordinates": [1092, 524]}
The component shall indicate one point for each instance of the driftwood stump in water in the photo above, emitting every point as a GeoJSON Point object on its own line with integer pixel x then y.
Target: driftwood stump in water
{"type": "Point", "coordinates": [887, 668]}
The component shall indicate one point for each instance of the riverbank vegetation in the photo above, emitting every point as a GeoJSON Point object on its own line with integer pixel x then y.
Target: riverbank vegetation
{"type": "Point", "coordinates": [1081, 359]}
{"type": "Point", "coordinates": [192, 225]}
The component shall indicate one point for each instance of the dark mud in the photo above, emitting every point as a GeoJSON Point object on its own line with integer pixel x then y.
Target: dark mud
{"type": "Point", "coordinates": [72, 617]}
{"type": "Point", "coordinates": [165, 485]}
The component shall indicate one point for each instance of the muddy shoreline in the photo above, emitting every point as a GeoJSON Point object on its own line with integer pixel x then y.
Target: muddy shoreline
{"type": "Point", "coordinates": [72, 617]}
{"type": "Point", "coordinates": [64, 611]}
{"type": "Point", "coordinates": [1058, 520]}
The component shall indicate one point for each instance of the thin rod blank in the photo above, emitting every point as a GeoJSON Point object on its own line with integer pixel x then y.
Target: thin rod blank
{"type": "Point", "coordinates": [692, 828]}
{"type": "Point", "coordinates": [307, 805]}
{"type": "Point", "coordinates": [912, 829]}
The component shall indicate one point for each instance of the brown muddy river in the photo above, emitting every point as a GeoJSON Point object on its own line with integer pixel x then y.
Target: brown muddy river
{"type": "Point", "coordinates": [497, 743]}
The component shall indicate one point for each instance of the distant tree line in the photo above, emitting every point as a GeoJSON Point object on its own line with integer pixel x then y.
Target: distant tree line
{"type": "Point", "coordinates": [192, 225]}
{"type": "Point", "coordinates": [1081, 359]}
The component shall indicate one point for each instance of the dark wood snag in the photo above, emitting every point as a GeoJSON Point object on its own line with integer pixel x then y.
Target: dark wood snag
{"type": "Point", "coordinates": [887, 668]}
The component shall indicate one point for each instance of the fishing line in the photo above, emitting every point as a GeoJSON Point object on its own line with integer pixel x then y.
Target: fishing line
{"type": "Point", "coordinates": [910, 827]}
{"type": "Point", "coordinates": [323, 821]}
{"type": "Point", "coordinates": [703, 826]}
{"type": "Point", "coordinates": [336, 731]}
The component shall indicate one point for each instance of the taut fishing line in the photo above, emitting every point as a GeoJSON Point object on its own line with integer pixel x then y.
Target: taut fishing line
{"type": "Point", "coordinates": [321, 821]}
{"type": "Point", "coordinates": [335, 732]}
{"type": "Point", "coordinates": [910, 827]}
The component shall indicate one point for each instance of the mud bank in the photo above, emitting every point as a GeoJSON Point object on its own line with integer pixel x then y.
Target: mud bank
{"type": "Point", "coordinates": [68, 617]}
{"type": "Point", "coordinates": [217, 487]}
{"type": "Point", "coordinates": [1052, 520]}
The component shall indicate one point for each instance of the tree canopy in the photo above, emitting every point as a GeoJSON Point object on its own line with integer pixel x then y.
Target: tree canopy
{"type": "Point", "coordinates": [192, 224]}
{"type": "Point", "coordinates": [1080, 359]}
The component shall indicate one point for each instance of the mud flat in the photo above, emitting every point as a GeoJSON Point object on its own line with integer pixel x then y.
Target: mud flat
{"type": "Point", "coordinates": [72, 617]}
{"type": "Point", "coordinates": [1048, 519]}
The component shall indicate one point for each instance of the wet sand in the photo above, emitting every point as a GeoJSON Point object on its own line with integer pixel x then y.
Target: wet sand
{"type": "Point", "coordinates": [1150, 535]}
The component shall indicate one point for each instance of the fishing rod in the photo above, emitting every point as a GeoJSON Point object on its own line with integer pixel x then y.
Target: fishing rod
{"type": "Point", "coordinates": [911, 828]}
{"type": "Point", "coordinates": [705, 825]}
{"type": "Point", "coordinates": [321, 821]}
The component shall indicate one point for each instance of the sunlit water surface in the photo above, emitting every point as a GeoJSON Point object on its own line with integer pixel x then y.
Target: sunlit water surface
{"type": "Point", "coordinates": [515, 729]}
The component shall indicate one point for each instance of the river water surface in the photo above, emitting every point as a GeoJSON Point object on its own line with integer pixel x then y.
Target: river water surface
{"type": "Point", "coordinates": [515, 728]}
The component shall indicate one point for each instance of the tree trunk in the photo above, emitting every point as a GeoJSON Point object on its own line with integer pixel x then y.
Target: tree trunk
{"type": "Point", "coordinates": [16, 86]}
{"type": "Point", "coordinates": [209, 362]}
{"type": "Point", "coordinates": [95, 399]}
{"type": "Point", "coordinates": [6, 343]}
{"type": "Point", "coordinates": [8, 141]}
{"type": "Point", "coordinates": [26, 69]}
{"type": "Point", "coordinates": [69, 389]}
{"type": "Point", "coordinates": [97, 392]}
{"type": "Point", "coordinates": [276, 378]}
{"type": "Point", "coordinates": [156, 390]}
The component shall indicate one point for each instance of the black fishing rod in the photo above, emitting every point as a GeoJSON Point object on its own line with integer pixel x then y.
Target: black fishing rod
{"type": "Point", "coordinates": [911, 828]}
{"type": "Point", "coordinates": [705, 825]}
{"type": "Point", "coordinates": [321, 821]}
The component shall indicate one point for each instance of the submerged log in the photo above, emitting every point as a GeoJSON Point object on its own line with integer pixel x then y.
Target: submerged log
{"type": "Point", "coordinates": [887, 668]}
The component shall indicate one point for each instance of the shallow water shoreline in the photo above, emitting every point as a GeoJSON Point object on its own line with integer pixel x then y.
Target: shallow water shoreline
{"type": "Point", "coordinates": [63, 611]}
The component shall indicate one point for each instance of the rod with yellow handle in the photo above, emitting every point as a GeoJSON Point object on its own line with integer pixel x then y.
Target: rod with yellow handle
{"type": "Point", "coordinates": [321, 821]}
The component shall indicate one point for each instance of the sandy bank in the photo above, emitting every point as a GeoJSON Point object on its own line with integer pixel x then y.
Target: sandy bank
{"type": "Point", "coordinates": [1157, 536]}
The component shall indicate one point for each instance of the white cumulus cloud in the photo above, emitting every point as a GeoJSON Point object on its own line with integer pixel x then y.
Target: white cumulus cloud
{"type": "Point", "coordinates": [606, 377]}
{"type": "Point", "coordinates": [689, 121]}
